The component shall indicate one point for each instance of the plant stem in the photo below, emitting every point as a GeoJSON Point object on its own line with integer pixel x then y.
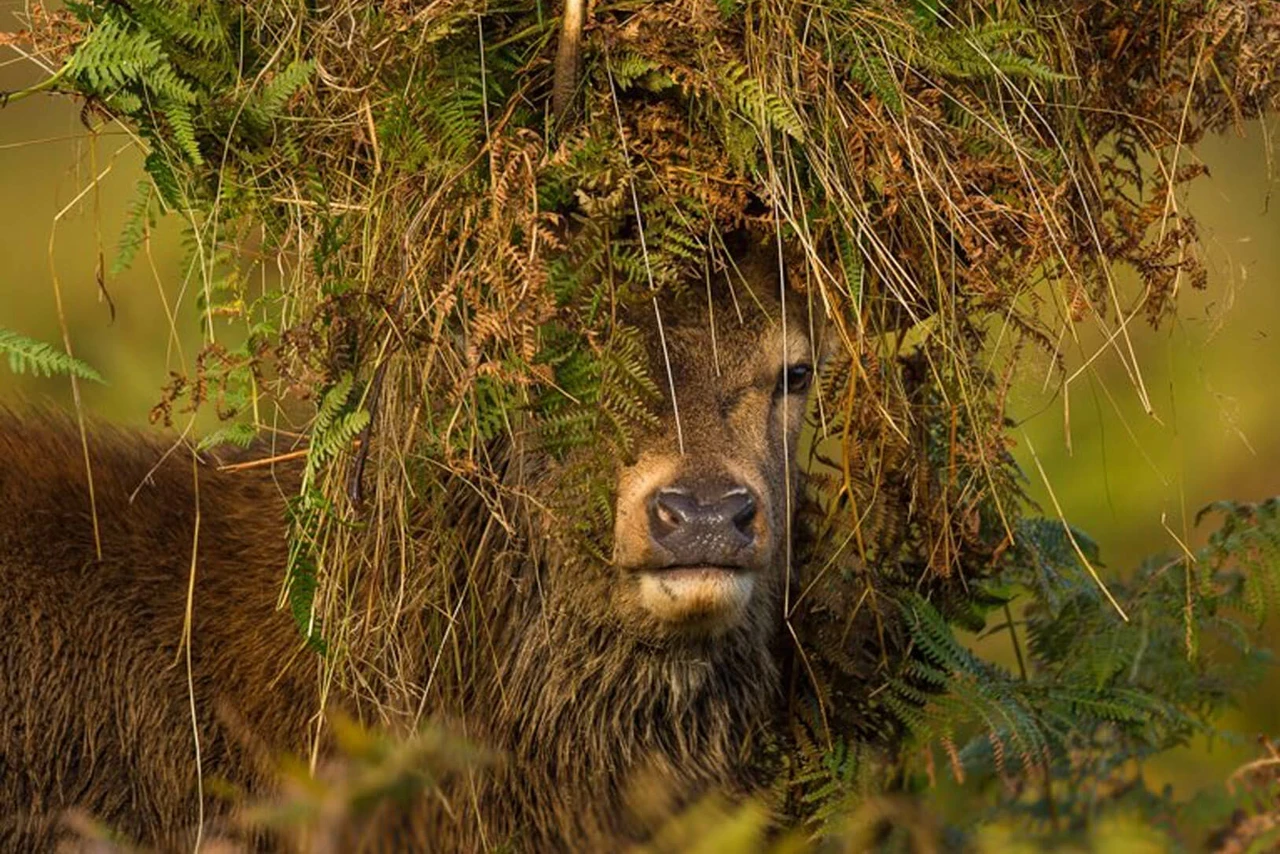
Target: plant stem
{"type": "Point", "coordinates": [1017, 647]}
{"type": "Point", "coordinates": [7, 98]}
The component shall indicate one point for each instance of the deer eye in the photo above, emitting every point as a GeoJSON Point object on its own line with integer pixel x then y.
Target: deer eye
{"type": "Point", "coordinates": [794, 379]}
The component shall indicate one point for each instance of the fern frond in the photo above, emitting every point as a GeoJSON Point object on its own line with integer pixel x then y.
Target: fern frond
{"type": "Point", "coordinates": [27, 355]}
{"type": "Point", "coordinates": [240, 435]}
{"type": "Point", "coordinates": [184, 133]}
{"type": "Point", "coordinates": [336, 425]}
{"type": "Point", "coordinates": [765, 109]}
{"type": "Point", "coordinates": [139, 220]}
{"type": "Point", "coordinates": [276, 93]}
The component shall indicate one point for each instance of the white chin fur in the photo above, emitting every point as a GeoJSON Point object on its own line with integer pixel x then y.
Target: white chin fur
{"type": "Point", "coordinates": [707, 598]}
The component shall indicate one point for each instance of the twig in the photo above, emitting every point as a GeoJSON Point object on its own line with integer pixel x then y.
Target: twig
{"type": "Point", "coordinates": [7, 98]}
{"type": "Point", "coordinates": [568, 57]}
{"type": "Point", "coordinates": [268, 461]}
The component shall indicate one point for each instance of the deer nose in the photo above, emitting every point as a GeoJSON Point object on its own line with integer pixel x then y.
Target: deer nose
{"type": "Point", "coordinates": [697, 528]}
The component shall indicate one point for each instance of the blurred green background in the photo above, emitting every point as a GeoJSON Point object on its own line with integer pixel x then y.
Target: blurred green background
{"type": "Point", "coordinates": [1133, 480]}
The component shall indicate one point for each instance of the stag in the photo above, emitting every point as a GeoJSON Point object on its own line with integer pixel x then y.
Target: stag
{"type": "Point", "coordinates": [154, 619]}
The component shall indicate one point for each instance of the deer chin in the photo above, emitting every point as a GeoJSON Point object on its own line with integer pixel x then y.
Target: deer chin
{"type": "Point", "coordinates": [697, 599]}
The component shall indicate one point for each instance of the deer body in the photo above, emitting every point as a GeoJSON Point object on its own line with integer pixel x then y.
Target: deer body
{"type": "Point", "coordinates": [93, 680]}
{"type": "Point", "coordinates": [659, 665]}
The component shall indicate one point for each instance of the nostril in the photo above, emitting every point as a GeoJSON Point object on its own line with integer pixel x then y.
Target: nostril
{"type": "Point", "coordinates": [745, 514]}
{"type": "Point", "coordinates": [666, 514]}
{"type": "Point", "coordinates": [668, 510]}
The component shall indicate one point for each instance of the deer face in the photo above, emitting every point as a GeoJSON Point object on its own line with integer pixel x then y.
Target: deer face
{"type": "Point", "coordinates": [702, 527]}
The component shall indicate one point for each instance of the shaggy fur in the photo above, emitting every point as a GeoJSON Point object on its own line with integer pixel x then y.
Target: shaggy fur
{"type": "Point", "coordinates": [584, 692]}
{"type": "Point", "coordinates": [92, 681]}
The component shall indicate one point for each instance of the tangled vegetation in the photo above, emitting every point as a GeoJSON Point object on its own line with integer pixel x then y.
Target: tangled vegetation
{"type": "Point", "coordinates": [377, 196]}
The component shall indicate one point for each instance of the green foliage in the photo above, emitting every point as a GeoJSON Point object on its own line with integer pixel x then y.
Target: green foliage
{"type": "Point", "coordinates": [240, 435]}
{"type": "Point", "coordinates": [338, 421]}
{"type": "Point", "coordinates": [139, 220]}
{"type": "Point", "coordinates": [26, 355]}
{"type": "Point", "coordinates": [605, 397]}
{"type": "Point", "coordinates": [882, 57]}
{"type": "Point", "coordinates": [270, 102]}
{"type": "Point", "coordinates": [1094, 696]}
{"type": "Point", "coordinates": [129, 69]}
{"type": "Point", "coordinates": [307, 513]}
{"type": "Point", "coordinates": [762, 108]}
{"type": "Point", "coordinates": [985, 51]}
{"type": "Point", "coordinates": [1244, 553]}
{"type": "Point", "coordinates": [631, 70]}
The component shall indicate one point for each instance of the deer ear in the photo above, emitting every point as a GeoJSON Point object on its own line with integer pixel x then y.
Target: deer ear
{"type": "Point", "coordinates": [751, 268]}
{"type": "Point", "coordinates": [753, 263]}
{"type": "Point", "coordinates": [756, 261]}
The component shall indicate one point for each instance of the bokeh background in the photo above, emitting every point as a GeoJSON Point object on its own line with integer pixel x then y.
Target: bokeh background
{"type": "Point", "coordinates": [1134, 480]}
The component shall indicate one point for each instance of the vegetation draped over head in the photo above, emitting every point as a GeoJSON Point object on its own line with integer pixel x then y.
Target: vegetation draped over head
{"type": "Point", "coordinates": [440, 259]}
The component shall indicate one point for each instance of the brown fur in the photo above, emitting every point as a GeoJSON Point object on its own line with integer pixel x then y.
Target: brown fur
{"type": "Point", "coordinates": [587, 690]}
{"type": "Point", "coordinates": [93, 691]}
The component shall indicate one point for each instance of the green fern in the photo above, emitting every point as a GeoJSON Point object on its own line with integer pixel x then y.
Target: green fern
{"type": "Point", "coordinates": [612, 390]}
{"type": "Point", "coordinates": [983, 51]}
{"type": "Point", "coordinates": [336, 424]}
{"type": "Point", "coordinates": [182, 124]}
{"type": "Point", "coordinates": [763, 108]}
{"type": "Point", "coordinates": [139, 220]}
{"type": "Point", "coordinates": [630, 67]}
{"type": "Point", "coordinates": [116, 59]}
{"type": "Point", "coordinates": [26, 355]}
{"type": "Point", "coordinates": [270, 102]}
{"type": "Point", "coordinates": [307, 513]}
{"type": "Point", "coordinates": [631, 70]}
{"type": "Point", "coordinates": [194, 25]}
{"type": "Point", "coordinates": [166, 181]}
{"type": "Point", "coordinates": [1045, 557]}
{"type": "Point", "coordinates": [1246, 545]}
{"type": "Point", "coordinates": [869, 68]}
{"type": "Point", "coordinates": [240, 435]}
